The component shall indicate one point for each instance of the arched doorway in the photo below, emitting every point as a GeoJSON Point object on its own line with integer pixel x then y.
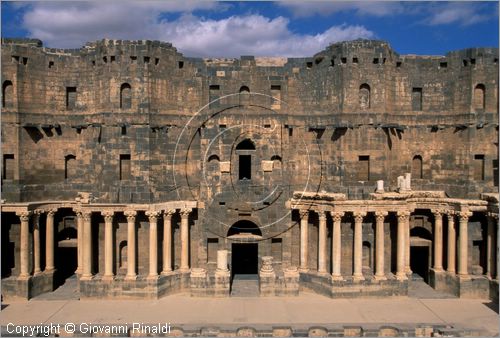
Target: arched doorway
{"type": "Point", "coordinates": [420, 251]}
{"type": "Point", "coordinates": [244, 249]}
{"type": "Point", "coordinates": [66, 250]}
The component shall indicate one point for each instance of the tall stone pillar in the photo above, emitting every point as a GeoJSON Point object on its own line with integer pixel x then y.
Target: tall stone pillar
{"type": "Point", "coordinates": [36, 242]}
{"type": "Point", "coordinates": [304, 215]}
{"type": "Point", "coordinates": [358, 246]}
{"type": "Point", "coordinates": [407, 245]}
{"type": "Point", "coordinates": [222, 260]}
{"type": "Point", "coordinates": [24, 243]}
{"type": "Point", "coordinates": [438, 240]}
{"type": "Point", "coordinates": [336, 245]}
{"type": "Point", "coordinates": [463, 244]}
{"type": "Point", "coordinates": [379, 243]}
{"type": "Point", "coordinates": [108, 244]}
{"type": "Point", "coordinates": [87, 245]}
{"type": "Point", "coordinates": [49, 240]}
{"type": "Point", "coordinates": [167, 241]}
{"type": "Point", "coordinates": [153, 244]}
{"type": "Point", "coordinates": [452, 240]}
{"type": "Point", "coordinates": [491, 246]}
{"type": "Point", "coordinates": [131, 274]}
{"type": "Point", "coordinates": [322, 242]}
{"type": "Point", "coordinates": [185, 239]}
{"type": "Point", "coordinates": [79, 248]}
{"type": "Point", "coordinates": [403, 219]}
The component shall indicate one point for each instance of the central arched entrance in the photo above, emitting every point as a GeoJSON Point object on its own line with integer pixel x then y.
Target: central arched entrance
{"type": "Point", "coordinates": [244, 235]}
{"type": "Point", "coordinates": [244, 249]}
{"type": "Point", "coordinates": [420, 252]}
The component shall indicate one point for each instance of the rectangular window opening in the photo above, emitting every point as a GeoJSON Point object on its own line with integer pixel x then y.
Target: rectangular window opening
{"type": "Point", "coordinates": [124, 130]}
{"type": "Point", "coordinates": [212, 247]}
{"type": "Point", "coordinates": [245, 167]}
{"type": "Point", "coordinates": [214, 87]}
{"type": "Point", "coordinates": [375, 61]}
{"type": "Point", "coordinates": [181, 64]}
{"type": "Point", "coordinates": [222, 203]}
{"type": "Point", "coordinates": [8, 167]}
{"type": "Point", "coordinates": [309, 65]}
{"type": "Point", "coordinates": [51, 64]}
{"type": "Point", "coordinates": [113, 58]}
{"type": "Point", "coordinates": [25, 61]}
{"type": "Point", "coordinates": [70, 97]}
{"type": "Point", "coordinates": [398, 64]}
{"type": "Point", "coordinates": [355, 60]}
{"type": "Point", "coordinates": [416, 98]}
{"type": "Point", "coordinates": [146, 59]}
{"type": "Point", "coordinates": [133, 59]}
{"type": "Point", "coordinates": [479, 167]}
{"type": "Point", "coordinates": [443, 65]}
{"type": "Point", "coordinates": [157, 61]}
{"type": "Point", "coordinates": [124, 167]}
{"type": "Point", "coordinates": [364, 168]}
{"type": "Point", "coordinates": [343, 60]}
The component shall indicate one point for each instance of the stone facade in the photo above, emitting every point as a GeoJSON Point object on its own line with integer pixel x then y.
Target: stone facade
{"type": "Point", "coordinates": [148, 172]}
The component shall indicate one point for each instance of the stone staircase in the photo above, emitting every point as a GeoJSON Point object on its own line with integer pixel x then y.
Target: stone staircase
{"type": "Point", "coordinates": [245, 286]}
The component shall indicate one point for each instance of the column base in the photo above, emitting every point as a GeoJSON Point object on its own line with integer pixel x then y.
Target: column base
{"type": "Point", "coordinates": [24, 277]}
{"type": "Point", "coordinates": [51, 269]}
{"type": "Point", "coordinates": [464, 277]}
{"type": "Point", "coordinates": [380, 277]}
{"type": "Point", "coordinates": [86, 277]}
{"type": "Point", "coordinates": [152, 277]}
{"type": "Point", "coordinates": [168, 272]}
{"type": "Point", "coordinates": [337, 278]}
{"type": "Point", "coordinates": [358, 278]}
{"type": "Point", "coordinates": [108, 277]}
{"type": "Point", "coordinates": [303, 269]}
{"type": "Point", "coordinates": [184, 269]}
{"type": "Point", "coordinates": [36, 273]}
{"type": "Point", "coordinates": [130, 277]}
{"type": "Point", "coordinates": [401, 276]}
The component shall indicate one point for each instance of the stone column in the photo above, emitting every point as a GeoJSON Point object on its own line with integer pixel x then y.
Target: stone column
{"type": "Point", "coordinates": [438, 240]}
{"type": "Point", "coordinates": [24, 243]}
{"type": "Point", "coordinates": [153, 244]}
{"type": "Point", "coordinates": [36, 242]}
{"type": "Point", "coordinates": [403, 217]}
{"type": "Point", "coordinates": [49, 240]}
{"type": "Point", "coordinates": [167, 241]}
{"type": "Point", "coordinates": [185, 239]}
{"type": "Point", "coordinates": [304, 214]}
{"type": "Point", "coordinates": [358, 246]}
{"type": "Point", "coordinates": [336, 245]}
{"type": "Point", "coordinates": [108, 245]}
{"type": "Point", "coordinates": [452, 239]}
{"type": "Point", "coordinates": [322, 242]}
{"type": "Point", "coordinates": [131, 274]}
{"type": "Point", "coordinates": [87, 245]}
{"type": "Point", "coordinates": [407, 244]}
{"type": "Point", "coordinates": [491, 246]}
{"type": "Point", "coordinates": [463, 244]}
{"type": "Point", "coordinates": [222, 260]}
{"type": "Point", "coordinates": [379, 243]}
{"type": "Point", "coordinates": [79, 234]}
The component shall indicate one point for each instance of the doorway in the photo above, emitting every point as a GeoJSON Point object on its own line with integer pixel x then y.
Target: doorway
{"type": "Point", "coordinates": [244, 259]}
{"type": "Point", "coordinates": [419, 261]}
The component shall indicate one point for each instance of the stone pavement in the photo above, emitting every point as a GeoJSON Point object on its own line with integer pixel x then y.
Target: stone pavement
{"type": "Point", "coordinates": [245, 286]}
{"type": "Point", "coordinates": [306, 310]}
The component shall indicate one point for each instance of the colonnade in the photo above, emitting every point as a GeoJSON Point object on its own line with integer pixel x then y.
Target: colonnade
{"type": "Point", "coordinates": [84, 242]}
{"type": "Point", "coordinates": [403, 243]}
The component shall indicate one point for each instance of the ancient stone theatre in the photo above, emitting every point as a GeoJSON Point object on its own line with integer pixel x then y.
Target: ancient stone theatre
{"type": "Point", "coordinates": [144, 172]}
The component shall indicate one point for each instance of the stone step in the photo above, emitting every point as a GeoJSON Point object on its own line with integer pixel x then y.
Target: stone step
{"type": "Point", "coordinates": [245, 286]}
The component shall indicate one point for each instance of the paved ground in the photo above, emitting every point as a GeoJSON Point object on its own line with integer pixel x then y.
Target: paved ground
{"type": "Point", "coordinates": [245, 286]}
{"type": "Point", "coordinates": [306, 309]}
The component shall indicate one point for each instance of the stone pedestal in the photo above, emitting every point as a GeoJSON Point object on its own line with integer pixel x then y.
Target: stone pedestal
{"type": "Point", "coordinates": [291, 281]}
{"type": "Point", "coordinates": [267, 277]}
{"type": "Point", "coordinates": [198, 281]}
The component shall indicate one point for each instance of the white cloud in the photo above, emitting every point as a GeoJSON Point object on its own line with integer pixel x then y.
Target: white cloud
{"type": "Point", "coordinates": [324, 8]}
{"type": "Point", "coordinates": [463, 13]}
{"type": "Point", "coordinates": [72, 24]}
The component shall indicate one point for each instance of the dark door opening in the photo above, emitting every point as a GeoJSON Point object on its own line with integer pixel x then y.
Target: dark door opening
{"type": "Point", "coordinates": [245, 169]}
{"type": "Point", "coordinates": [419, 261]}
{"type": "Point", "coordinates": [66, 264]}
{"type": "Point", "coordinates": [244, 259]}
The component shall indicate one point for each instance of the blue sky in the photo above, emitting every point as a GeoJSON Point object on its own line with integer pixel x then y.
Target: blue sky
{"type": "Point", "coordinates": [284, 28]}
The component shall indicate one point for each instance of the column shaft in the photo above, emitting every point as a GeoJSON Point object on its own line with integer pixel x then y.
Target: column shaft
{"type": "Point", "coordinates": [438, 240]}
{"type": "Point", "coordinates": [49, 241]}
{"type": "Point", "coordinates": [131, 274]}
{"type": "Point", "coordinates": [491, 247]}
{"type": "Point", "coordinates": [167, 241]}
{"type": "Point", "coordinates": [303, 239]}
{"type": "Point", "coordinates": [87, 245]}
{"type": "Point", "coordinates": [108, 245]}
{"type": "Point", "coordinates": [322, 243]}
{"type": "Point", "coordinates": [153, 244]}
{"type": "Point", "coordinates": [451, 252]}
{"type": "Point", "coordinates": [379, 243]}
{"type": "Point", "coordinates": [79, 234]}
{"type": "Point", "coordinates": [463, 244]}
{"type": "Point", "coordinates": [336, 245]}
{"type": "Point", "coordinates": [407, 245]}
{"type": "Point", "coordinates": [358, 246]}
{"type": "Point", "coordinates": [36, 242]}
{"type": "Point", "coordinates": [185, 239]}
{"type": "Point", "coordinates": [401, 247]}
{"type": "Point", "coordinates": [24, 217]}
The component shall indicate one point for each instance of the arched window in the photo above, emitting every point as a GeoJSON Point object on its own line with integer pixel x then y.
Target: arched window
{"type": "Point", "coordinates": [7, 94]}
{"type": "Point", "coordinates": [479, 97]}
{"type": "Point", "coordinates": [125, 96]}
{"type": "Point", "coordinates": [123, 254]}
{"type": "Point", "coordinates": [364, 96]}
{"type": "Point", "coordinates": [244, 95]}
{"type": "Point", "coordinates": [69, 166]}
{"type": "Point", "coordinates": [276, 161]}
{"type": "Point", "coordinates": [213, 158]}
{"type": "Point", "coordinates": [244, 150]}
{"type": "Point", "coordinates": [416, 167]}
{"type": "Point", "coordinates": [367, 254]}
